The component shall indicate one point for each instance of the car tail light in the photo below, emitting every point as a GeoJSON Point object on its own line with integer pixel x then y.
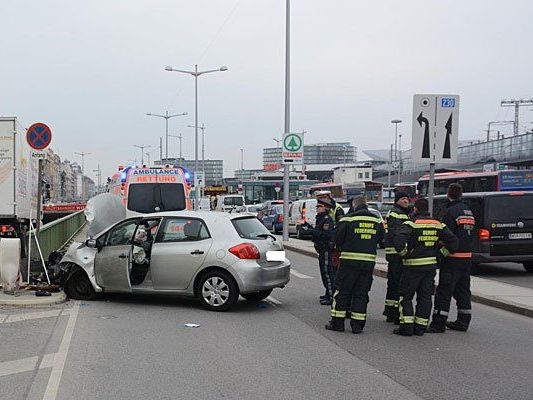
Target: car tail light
{"type": "Point", "coordinates": [484, 235]}
{"type": "Point", "coordinates": [280, 217]}
{"type": "Point", "coordinates": [245, 251]}
{"type": "Point", "coordinates": [6, 228]}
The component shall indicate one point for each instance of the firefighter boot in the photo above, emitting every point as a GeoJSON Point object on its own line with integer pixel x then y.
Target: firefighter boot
{"type": "Point", "coordinates": [357, 326]}
{"type": "Point", "coordinates": [438, 323]}
{"type": "Point", "coordinates": [336, 324]}
{"type": "Point", "coordinates": [404, 330]}
{"type": "Point", "coordinates": [461, 324]}
{"type": "Point", "coordinates": [419, 330]}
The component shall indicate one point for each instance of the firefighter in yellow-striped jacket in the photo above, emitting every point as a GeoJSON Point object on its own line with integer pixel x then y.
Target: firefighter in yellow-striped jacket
{"type": "Point", "coordinates": [357, 236]}
{"type": "Point", "coordinates": [419, 242]}
{"type": "Point", "coordinates": [395, 218]}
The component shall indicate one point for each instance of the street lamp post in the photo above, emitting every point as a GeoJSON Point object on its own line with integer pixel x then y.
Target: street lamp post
{"type": "Point", "coordinates": [203, 146]}
{"type": "Point", "coordinates": [286, 182]}
{"type": "Point", "coordinates": [82, 154]}
{"type": "Point", "coordinates": [142, 147]}
{"type": "Point", "coordinates": [196, 74]}
{"type": "Point", "coordinates": [242, 168]}
{"type": "Point", "coordinates": [167, 116]}
{"type": "Point", "coordinates": [396, 122]}
{"type": "Point", "coordinates": [178, 137]}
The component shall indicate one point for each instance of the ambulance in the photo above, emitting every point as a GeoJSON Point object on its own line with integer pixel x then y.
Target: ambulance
{"type": "Point", "coordinates": [152, 189]}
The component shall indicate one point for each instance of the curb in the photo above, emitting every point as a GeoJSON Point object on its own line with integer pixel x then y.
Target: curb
{"type": "Point", "coordinates": [33, 301]}
{"type": "Point", "coordinates": [477, 298]}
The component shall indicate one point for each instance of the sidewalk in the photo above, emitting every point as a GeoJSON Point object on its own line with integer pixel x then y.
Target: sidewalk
{"type": "Point", "coordinates": [508, 297]}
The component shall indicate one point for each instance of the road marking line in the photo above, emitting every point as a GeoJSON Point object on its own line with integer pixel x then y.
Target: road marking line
{"type": "Point", "coordinates": [273, 300]}
{"type": "Point", "coordinates": [18, 366]}
{"type": "Point", "coordinates": [300, 275]}
{"type": "Point", "coordinates": [33, 315]}
{"type": "Point", "coordinates": [26, 364]}
{"type": "Point", "coordinates": [61, 356]}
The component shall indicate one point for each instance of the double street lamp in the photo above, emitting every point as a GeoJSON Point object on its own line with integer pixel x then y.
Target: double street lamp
{"type": "Point", "coordinates": [142, 147]}
{"type": "Point", "coordinates": [196, 74]}
{"type": "Point", "coordinates": [180, 138]}
{"type": "Point", "coordinates": [166, 116]}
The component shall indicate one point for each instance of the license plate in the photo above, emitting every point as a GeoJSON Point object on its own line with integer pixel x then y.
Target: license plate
{"type": "Point", "coordinates": [275, 255]}
{"type": "Point", "coordinates": [526, 235]}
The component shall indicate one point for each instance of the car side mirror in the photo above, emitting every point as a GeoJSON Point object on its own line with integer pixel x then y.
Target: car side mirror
{"type": "Point", "coordinates": [91, 243]}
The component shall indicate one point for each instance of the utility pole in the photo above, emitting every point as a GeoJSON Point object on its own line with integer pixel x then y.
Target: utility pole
{"type": "Point", "coordinates": [516, 103]}
{"type": "Point", "coordinates": [202, 127]}
{"type": "Point", "coordinates": [83, 154]}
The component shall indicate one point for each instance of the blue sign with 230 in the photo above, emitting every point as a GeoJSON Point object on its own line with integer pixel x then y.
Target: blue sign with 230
{"type": "Point", "coordinates": [447, 102]}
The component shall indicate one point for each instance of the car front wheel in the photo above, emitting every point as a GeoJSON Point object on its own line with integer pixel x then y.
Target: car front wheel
{"type": "Point", "coordinates": [218, 291]}
{"type": "Point", "coordinates": [528, 266]}
{"type": "Point", "coordinates": [78, 287]}
{"type": "Point", "coordinates": [257, 296]}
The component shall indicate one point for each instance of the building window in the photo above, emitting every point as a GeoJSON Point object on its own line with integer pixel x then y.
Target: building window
{"type": "Point", "coordinates": [367, 175]}
{"type": "Point", "coordinates": [359, 175]}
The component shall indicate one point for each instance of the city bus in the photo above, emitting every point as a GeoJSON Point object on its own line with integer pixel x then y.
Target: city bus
{"type": "Point", "coordinates": [152, 189]}
{"type": "Point", "coordinates": [494, 181]}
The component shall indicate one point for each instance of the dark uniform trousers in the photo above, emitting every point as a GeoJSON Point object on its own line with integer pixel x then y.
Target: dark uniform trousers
{"type": "Point", "coordinates": [327, 273]}
{"type": "Point", "coordinates": [393, 281]}
{"type": "Point", "coordinates": [453, 281]}
{"type": "Point", "coordinates": [421, 283]}
{"type": "Point", "coordinates": [353, 282]}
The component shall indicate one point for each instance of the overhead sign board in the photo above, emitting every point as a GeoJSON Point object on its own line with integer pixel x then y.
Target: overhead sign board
{"type": "Point", "coordinates": [435, 128]}
{"type": "Point", "coordinates": [293, 148]}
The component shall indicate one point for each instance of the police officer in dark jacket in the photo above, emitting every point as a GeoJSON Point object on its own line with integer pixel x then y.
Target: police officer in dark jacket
{"type": "Point", "coordinates": [323, 241]}
{"type": "Point", "coordinates": [454, 274]}
{"type": "Point", "coordinates": [418, 243]}
{"type": "Point", "coordinates": [395, 218]}
{"type": "Point", "coordinates": [357, 236]}
{"type": "Point", "coordinates": [335, 212]}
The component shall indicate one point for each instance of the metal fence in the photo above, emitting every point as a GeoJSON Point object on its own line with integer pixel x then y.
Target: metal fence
{"type": "Point", "coordinates": [56, 234]}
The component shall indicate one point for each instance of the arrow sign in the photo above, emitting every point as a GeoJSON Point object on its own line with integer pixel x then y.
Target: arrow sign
{"type": "Point", "coordinates": [425, 146]}
{"type": "Point", "coordinates": [447, 150]}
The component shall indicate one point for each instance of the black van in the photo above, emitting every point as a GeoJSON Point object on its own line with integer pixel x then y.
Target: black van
{"type": "Point", "coordinates": [504, 226]}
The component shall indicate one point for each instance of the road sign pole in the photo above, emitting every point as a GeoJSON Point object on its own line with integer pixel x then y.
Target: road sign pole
{"type": "Point", "coordinates": [39, 198]}
{"type": "Point", "coordinates": [431, 187]}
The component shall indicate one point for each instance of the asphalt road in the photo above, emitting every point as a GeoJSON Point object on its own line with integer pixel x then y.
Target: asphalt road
{"type": "Point", "coordinates": [512, 273]}
{"type": "Point", "coordinates": [127, 347]}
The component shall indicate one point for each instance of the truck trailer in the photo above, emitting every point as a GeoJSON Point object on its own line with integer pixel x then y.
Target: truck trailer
{"type": "Point", "coordinates": [18, 182]}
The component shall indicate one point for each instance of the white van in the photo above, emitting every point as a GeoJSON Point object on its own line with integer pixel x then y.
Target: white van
{"type": "Point", "coordinates": [301, 211]}
{"type": "Point", "coordinates": [230, 202]}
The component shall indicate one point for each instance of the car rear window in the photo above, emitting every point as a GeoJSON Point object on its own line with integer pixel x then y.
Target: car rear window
{"type": "Point", "coordinates": [250, 228]}
{"type": "Point", "coordinates": [233, 201]}
{"type": "Point", "coordinates": [510, 208]}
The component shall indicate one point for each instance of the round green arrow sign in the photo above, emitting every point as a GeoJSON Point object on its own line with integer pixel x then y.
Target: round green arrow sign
{"type": "Point", "coordinates": [292, 143]}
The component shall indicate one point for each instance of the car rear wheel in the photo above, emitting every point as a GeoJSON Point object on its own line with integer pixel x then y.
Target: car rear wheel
{"type": "Point", "coordinates": [528, 266]}
{"type": "Point", "coordinates": [78, 287]}
{"type": "Point", "coordinates": [218, 291]}
{"type": "Point", "coordinates": [257, 296]}
{"type": "Point", "coordinates": [298, 233]}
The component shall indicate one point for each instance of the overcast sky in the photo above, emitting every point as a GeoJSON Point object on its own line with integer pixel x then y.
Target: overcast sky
{"type": "Point", "coordinates": [93, 69]}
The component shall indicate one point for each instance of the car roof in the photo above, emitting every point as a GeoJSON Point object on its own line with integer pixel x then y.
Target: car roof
{"type": "Point", "coordinates": [208, 216]}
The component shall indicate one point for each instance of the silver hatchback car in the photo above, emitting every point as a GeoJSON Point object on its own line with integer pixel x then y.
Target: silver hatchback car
{"type": "Point", "coordinates": [211, 255]}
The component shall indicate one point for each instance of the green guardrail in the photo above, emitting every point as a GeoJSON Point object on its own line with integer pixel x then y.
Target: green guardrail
{"type": "Point", "coordinates": [56, 234]}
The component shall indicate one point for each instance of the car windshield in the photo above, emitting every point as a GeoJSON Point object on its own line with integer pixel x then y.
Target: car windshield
{"type": "Point", "coordinates": [144, 198]}
{"type": "Point", "coordinates": [277, 209]}
{"type": "Point", "coordinates": [510, 208]}
{"type": "Point", "coordinates": [233, 201]}
{"type": "Point", "coordinates": [250, 228]}
{"type": "Point", "coordinates": [254, 208]}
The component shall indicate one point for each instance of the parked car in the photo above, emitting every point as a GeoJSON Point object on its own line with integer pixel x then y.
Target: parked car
{"type": "Point", "coordinates": [253, 208]}
{"type": "Point", "coordinates": [300, 212]}
{"type": "Point", "coordinates": [273, 218]}
{"type": "Point", "coordinates": [382, 206]}
{"type": "Point", "coordinates": [266, 206]}
{"type": "Point", "coordinates": [504, 226]}
{"type": "Point", "coordinates": [211, 256]}
{"type": "Point", "coordinates": [230, 203]}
